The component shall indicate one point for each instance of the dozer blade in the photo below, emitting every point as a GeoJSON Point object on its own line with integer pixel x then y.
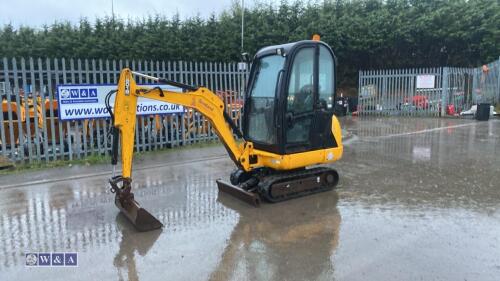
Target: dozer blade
{"type": "Point", "coordinates": [238, 192]}
{"type": "Point", "coordinates": [139, 217]}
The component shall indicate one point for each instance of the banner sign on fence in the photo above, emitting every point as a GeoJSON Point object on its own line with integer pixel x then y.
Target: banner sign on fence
{"type": "Point", "coordinates": [87, 102]}
{"type": "Point", "coordinates": [425, 81]}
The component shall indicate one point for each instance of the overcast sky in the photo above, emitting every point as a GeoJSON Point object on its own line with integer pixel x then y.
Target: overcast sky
{"type": "Point", "coordinates": [39, 12]}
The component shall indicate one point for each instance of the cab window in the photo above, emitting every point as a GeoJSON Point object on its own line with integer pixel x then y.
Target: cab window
{"type": "Point", "coordinates": [262, 100]}
{"type": "Point", "coordinates": [300, 89]}
{"type": "Point", "coordinates": [326, 88]}
{"type": "Point", "coordinates": [300, 100]}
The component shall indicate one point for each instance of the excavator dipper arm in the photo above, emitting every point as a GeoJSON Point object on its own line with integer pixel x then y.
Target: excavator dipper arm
{"type": "Point", "coordinates": [124, 121]}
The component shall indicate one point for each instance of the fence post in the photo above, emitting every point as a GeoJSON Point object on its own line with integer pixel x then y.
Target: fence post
{"type": "Point", "coordinates": [360, 72]}
{"type": "Point", "coordinates": [384, 92]}
{"type": "Point", "coordinates": [498, 81]}
{"type": "Point", "coordinates": [444, 90]}
{"type": "Point", "coordinates": [3, 132]}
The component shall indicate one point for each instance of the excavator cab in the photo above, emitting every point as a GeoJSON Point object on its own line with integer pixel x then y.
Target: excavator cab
{"type": "Point", "coordinates": [289, 98]}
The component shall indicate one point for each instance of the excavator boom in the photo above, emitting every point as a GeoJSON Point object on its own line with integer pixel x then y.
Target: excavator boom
{"type": "Point", "coordinates": [124, 121]}
{"type": "Point", "coordinates": [199, 98]}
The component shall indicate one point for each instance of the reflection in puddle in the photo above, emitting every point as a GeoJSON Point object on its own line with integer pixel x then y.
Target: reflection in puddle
{"type": "Point", "coordinates": [131, 243]}
{"type": "Point", "coordinates": [438, 141]}
{"type": "Point", "coordinates": [293, 240]}
{"type": "Point", "coordinates": [421, 153]}
{"type": "Point", "coordinates": [84, 220]}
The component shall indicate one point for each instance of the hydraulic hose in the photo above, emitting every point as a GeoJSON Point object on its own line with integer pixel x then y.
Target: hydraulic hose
{"type": "Point", "coordinates": [115, 133]}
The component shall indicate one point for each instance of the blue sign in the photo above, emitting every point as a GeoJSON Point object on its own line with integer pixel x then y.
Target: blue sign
{"type": "Point", "coordinates": [84, 93]}
{"type": "Point", "coordinates": [78, 95]}
{"type": "Point", "coordinates": [57, 259]}
{"type": "Point", "coordinates": [44, 259]}
{"type": "Point", "coordinates": [70, 259]}
{"type": "Point", "coordinates": [93, 93]}
{"type": "Point", "coordinates": [74, 93]}
{"type": "Point", "coordinates": [31, 259]}
{"type": "Point", "coordinates": [52, 259]}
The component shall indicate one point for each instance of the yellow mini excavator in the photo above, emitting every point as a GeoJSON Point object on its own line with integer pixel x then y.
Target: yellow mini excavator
{"type": "Point", "coordinates": [288, 127]}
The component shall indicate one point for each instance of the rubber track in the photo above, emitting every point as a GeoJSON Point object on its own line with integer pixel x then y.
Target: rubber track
{"type": "Point", "coordinates": [266, 183]}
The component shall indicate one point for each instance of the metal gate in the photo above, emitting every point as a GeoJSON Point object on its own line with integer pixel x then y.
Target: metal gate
{"type": "Point", "coordinates": [405, 92]}
{"type": "Point", "coordinates": [427, 91]}
{"type": "Point", "coordinates": [457, 89]}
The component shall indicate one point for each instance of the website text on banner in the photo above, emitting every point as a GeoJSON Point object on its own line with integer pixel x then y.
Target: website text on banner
{"type": "Point", "coordinates": [87, 102]}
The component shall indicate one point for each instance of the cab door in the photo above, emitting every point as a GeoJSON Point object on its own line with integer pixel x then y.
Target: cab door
{"type": "Point", "coordinates": [309, 99]}
{"type": "Point", "coordinates": [299, 114]}
{"type": "Point", "coordinates": [325, 99]}
{"type": "Point", "coordinates": [260, 103]}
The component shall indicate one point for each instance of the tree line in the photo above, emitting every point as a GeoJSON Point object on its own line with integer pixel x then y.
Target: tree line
{"type": "Point", "coordinates": [364, 34]}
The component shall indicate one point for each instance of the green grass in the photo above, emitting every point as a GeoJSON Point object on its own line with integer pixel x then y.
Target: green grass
{"type": "Point", "coordinates": [42, 165]}
{"type": "Point", "coordinates": [96, 159]}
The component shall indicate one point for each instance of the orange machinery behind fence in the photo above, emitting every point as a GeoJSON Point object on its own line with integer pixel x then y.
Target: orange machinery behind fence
{"type": "Point", "coordinates": [19, 114]}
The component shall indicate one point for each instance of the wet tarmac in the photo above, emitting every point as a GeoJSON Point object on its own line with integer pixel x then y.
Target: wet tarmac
{"type": "Point", "coordinates": [418, 199]}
